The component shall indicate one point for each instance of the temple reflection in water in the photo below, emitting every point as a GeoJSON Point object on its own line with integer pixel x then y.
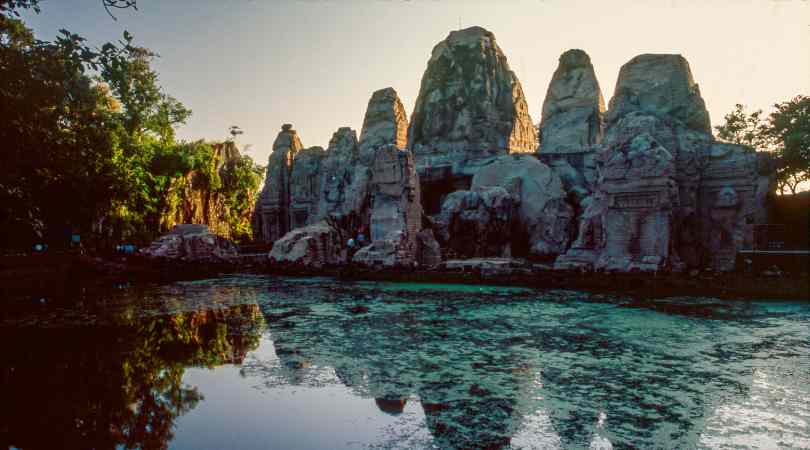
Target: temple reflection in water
{"type": "Point", "coordinates": [452, 367]}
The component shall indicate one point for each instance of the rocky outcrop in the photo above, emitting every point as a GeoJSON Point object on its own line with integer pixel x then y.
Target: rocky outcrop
{"type": "Point", "coordinates": [477, 223]}
{"type": "Point", "coordinates": [272, 216]}
{"type": "Point", "coordinates": [543, 215]}
{"type": "Point", "coordinates": [574, 109]}
{"type": "Point", "coordinates": [396, 211]}
{"type": "Point", "coordinates": [192, 243]}
{"type": "Point", "coordinates": [470, 108]}
{"type": "Point", "coordinates": [668, 196]}
{"type": "Point", "coordinates": [313, 246]}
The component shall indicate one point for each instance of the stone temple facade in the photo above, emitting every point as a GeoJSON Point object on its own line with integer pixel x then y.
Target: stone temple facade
{"type": "Point", "coordinates": [641, 185]}
{"type": "Point", "coordinates": [667, 195]}
{"type": "Point", "coordinates": [471, 109]}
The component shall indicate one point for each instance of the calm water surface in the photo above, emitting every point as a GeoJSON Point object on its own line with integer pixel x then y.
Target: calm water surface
{"type": "Point", "coordinates": [250, 362]}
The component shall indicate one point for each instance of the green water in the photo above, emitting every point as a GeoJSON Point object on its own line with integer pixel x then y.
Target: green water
{"type": "Point", "coordinates": [250, 362]}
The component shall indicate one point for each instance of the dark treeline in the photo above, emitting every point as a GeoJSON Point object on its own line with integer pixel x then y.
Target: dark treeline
{"type": "Point", "coordinates": [89, 146]}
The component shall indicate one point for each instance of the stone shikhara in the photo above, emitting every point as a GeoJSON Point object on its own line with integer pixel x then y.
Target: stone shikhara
{"type": "Point", "coordinates": [642, 185]}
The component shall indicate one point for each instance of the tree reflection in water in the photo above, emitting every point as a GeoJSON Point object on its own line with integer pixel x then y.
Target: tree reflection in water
{"type": "Point", "coordinates": [117, 385]}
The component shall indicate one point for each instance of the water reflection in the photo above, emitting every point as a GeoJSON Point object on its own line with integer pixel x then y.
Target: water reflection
{"type": "Point", "coordinates": [485, 368]}
{"type": "Point", "coordinates": [113, 386]}
{"type": "Point", "coordinates": [456, 367]}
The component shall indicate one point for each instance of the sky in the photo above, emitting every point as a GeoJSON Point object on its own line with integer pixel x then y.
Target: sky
{"type": "Point", "coordinates": [314, 63]}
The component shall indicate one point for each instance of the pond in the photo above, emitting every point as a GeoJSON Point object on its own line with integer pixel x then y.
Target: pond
{"type": "Point", "coordinates": [250, 362]}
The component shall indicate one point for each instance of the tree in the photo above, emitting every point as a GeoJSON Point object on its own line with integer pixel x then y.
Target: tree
{"type": "Point", "coordinates": [789, 127]}
{"type": "Point", "coordinates": [785, 132]}
{"type": "Point", "coordinates": [89, 141]}
{"type": "Point", "coordinates": [58, 161]}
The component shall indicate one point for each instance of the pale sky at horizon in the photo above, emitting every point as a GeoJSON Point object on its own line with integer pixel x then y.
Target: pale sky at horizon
{"type": "Point", "coordinates": [315, 63]}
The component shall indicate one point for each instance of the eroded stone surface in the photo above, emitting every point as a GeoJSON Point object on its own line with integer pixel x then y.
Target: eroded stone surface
{"type": "Point", "coordinates": [543, 214]}
{"type": "Point", "coordinates": [628, 223]}
{"type": "Point", "coordinates": [313, 246]}
{"type": "Point", "coordinates": [470, 106]}
{"type": "Point", "coordinates": [396, 211]}
{"type": "Point", "coordinates": [661, 85]}
{"type": "Point", "coordinates": [385, 123]}
{"type": "Point", "coordinates": [340, 192]}
{"type": "Point", "coordinates": [659, 168]}
{"type": "Point", "coordinates": [573, 110]}
{"type": "Point", "coordinates": [272, 211]}
{"type": "Point", "coordinates": [477, 223]}
{"type": "Point", "coordinates": [192, 243]}
{"type": "Point", "coordinates": [428, 250]}
{"type": "Point", "coordinates": [305, 186]}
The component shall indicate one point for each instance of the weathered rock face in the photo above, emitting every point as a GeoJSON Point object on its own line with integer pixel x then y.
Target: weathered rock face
{"type": "Point", "coordinates": [574, 109]}
{"type": "Point", "coordinates": [305, 186]}
{"type": "Point", "coordinates": [192, 243]}
{"type": "Point", "coordinates": [385, 123]}
{"type": "Point", "coordinates": [394, 190]}
{"type": "Point", "coordinates": [396, 211]}
{"type": "Point", "coordinates": [470, 107]}
{"type": "Point", "coordinates": [477, 223]}
{"type": "Point", "coordinates": [273, 209]}
{"type": "Point", "coordinates": [668, 195]}
{"type": "Point", "coordinates": [659, 85]}
{"type": "Point", "coordinates": [313, 246]}
{"type": "Point", "coordinates": [543, 216]}
{"type": "Point", "coordinates": [340, 193]}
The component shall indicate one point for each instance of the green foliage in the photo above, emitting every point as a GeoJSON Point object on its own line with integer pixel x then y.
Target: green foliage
{"type": "Point", "coordinates": [789, 127]}
{"type": "Point", "coordinates": [743, 128]}
{"type": "Point", "coordinates": [241, 180]}
{"type": "Point", "coordinates": [90, 143]}
{"type": "Point", "coordinates": [785, 132]}
{"type": "Point", "coordinates": [54, 126]}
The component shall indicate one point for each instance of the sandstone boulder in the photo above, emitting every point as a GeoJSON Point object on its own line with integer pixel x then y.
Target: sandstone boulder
{"type": "Point", "coordinates": [470, 107]}
{"type": "Point", "coordinates": [544, 216]}
{"type": "Point", "coordinates": [192, 243]}
{"type": "Point", "coordinates": [313, 246]}
{"type": "Point", "coordinates": [573, 110]}
{"type": "Point", "coordinates": [477, 223]}
{"type": "Point", "coordinates": [397, 250]}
